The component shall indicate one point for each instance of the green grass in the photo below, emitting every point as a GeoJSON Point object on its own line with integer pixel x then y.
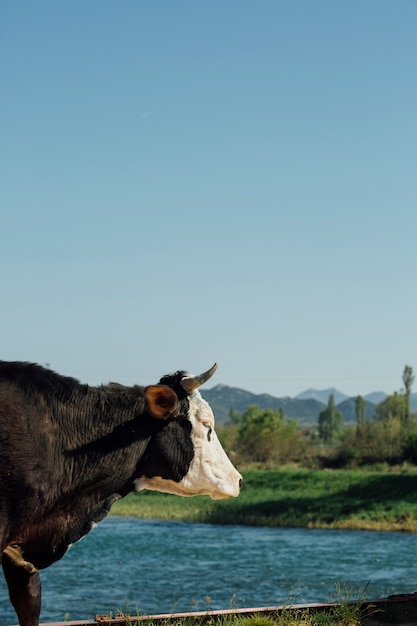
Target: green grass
{"type": "Point", "coordinates": [333, 617]}
{"type": "Point", "coordinates": [338, 616]}
{"type": "Point", "coordinates": [350, 499]}
{"type": "Point", "coordinates": [348, 609]}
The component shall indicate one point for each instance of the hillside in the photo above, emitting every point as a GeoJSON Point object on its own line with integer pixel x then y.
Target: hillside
{"type": "Point", "coordinates": [347, 407]}
{"type": "Point", "coordinates": [223, 398]}
{"type": "Point", "coordinates": [322, 395]}
{"type": "Point", "coordinates": [303, 408]}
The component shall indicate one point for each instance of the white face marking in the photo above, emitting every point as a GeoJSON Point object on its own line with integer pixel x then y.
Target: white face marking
{"type": "Point", "coordinates": [211, 472]}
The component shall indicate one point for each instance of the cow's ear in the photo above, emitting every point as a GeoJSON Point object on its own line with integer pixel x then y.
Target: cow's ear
{"type": "Point", "coordinates": [161, 401]}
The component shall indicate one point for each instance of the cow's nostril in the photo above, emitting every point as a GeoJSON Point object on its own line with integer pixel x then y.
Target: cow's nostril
{"type": "Point", "coordinates": [240, 483]}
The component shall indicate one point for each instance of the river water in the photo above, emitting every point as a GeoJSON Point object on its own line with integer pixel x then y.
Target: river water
{"type": "Point", "coordinates": [154, 567]}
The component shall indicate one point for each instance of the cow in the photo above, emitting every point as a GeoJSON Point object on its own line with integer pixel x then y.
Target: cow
{"type": "Point", "coordinates": [69, 450]}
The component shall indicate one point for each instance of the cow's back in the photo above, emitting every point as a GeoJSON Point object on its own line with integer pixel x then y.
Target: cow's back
{"type": "Point", "coordinates": [29, 428]}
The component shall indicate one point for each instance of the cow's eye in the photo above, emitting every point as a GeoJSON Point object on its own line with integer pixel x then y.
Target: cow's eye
{"type": "Point", "coordinates": [209, 430]}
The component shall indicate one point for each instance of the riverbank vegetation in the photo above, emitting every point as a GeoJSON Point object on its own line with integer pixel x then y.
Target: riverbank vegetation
{"type": "Point", "coordinates": [349, 608]}
{"type": "Point", "coordinates": [307, 498]}
{"type": "Point", "coordinates": [342, 615]}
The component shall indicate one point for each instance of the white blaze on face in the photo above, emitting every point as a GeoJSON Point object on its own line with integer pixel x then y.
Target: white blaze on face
{"type": "Point", "coordinates": [211, 472]}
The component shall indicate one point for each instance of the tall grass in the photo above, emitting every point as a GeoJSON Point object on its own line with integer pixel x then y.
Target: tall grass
{"type": "Point", "coordinates": [350, 608]}
{"type": "Point", "coordinates": [350, 499]}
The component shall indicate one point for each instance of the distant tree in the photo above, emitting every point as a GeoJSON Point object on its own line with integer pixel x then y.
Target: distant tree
{"type": "Point", "coordinates": [393, 407]}
{"type": "Point", "coordinates": [235, 417]}
{"type": "Point", "coordinates": [265, 437]}
{"type": "Point", "coordinates": [330, 421]}
{"type": "Point", "coordinates": [383, 440]}
{"type": "Point", "coordinates": [360, 407]}
{"type": "Point", "coordinates": [408, 380]}
{"type": "Point", "coordinates": [228, 436]}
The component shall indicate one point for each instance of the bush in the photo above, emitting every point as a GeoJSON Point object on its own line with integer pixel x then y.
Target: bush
{"type": "Point", "coordinates": [265, 437]}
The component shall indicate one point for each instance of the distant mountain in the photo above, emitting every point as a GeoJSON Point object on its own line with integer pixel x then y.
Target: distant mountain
{"type": "Point", "coordinates": [304, 408]}
{"type": "Point", "coordinates": [375, 397]}
{"type": "Point", "coordinates": [322, 395]}
{"type": "Point", "coordinates": [223, 398]}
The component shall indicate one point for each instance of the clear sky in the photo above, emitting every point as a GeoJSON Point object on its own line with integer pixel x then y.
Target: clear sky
{"type": "Point", "coordinates": [184, 182]}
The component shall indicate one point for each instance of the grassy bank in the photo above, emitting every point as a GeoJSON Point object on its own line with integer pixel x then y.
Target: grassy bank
{"type": "Point", "coordinates": [345, 614]}
{"type": "Point", "coordinates": [349, 499]}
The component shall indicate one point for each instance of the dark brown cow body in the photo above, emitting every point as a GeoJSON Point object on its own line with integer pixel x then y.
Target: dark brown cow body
{"type": "Point", "coordinates": [68, 451]}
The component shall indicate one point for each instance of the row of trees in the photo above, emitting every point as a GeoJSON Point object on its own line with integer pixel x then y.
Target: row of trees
{"type": "Point", "coordinates": [266, 437]}
{"type": "Point", "coordinates": [330, 421]}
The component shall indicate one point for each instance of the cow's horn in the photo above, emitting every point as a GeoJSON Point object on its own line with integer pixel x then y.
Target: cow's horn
{"type": "Point", "coordinates": [191, 383]}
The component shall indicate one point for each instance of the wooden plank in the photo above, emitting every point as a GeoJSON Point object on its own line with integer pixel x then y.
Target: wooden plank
{"type": "Point", "coordinates": [398, 610]}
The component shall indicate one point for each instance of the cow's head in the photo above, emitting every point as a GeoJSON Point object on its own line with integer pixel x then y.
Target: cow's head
{"type": "Point", "coordinates": [185, 457]}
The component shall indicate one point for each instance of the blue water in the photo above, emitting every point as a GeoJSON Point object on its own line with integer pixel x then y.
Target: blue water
{"type": "Point", "coordinates": [154, 567]}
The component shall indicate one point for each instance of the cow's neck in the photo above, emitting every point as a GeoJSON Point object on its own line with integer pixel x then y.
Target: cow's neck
{"type": "Point", "coordinates": [101, 445]}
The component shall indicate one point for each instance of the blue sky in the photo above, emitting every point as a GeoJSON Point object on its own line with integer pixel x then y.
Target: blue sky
{"type": "Point", "coordinates": [188, 182]}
